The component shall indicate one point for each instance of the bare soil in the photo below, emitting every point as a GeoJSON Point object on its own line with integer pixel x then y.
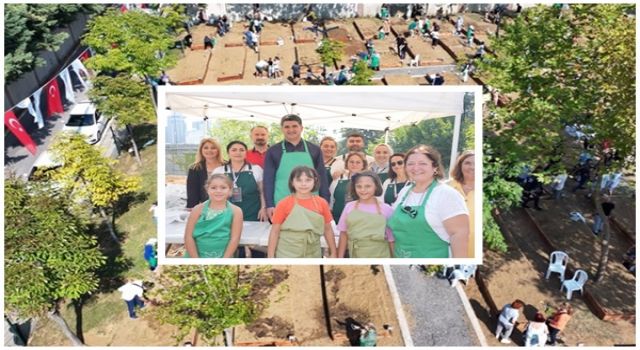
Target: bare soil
{"type": "Point", "coordinates": [296, 307]}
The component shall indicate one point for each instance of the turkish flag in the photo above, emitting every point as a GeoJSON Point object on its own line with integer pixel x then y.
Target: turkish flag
{"type": "Point", "coordinates": [123, 8]}
{"type": "Point", "coordinates": [85, 55]}
{"type": "Point", "coordinates": [54, 102]}
{"type": "Point", "coordinates": [16, 128]}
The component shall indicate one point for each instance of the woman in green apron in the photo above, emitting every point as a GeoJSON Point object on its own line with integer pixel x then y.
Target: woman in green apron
{"type": "Point", "coordinates": [300, 219]}
{"type": "Point", "coordinates": [363, 224]}
{"type": "Point", "coordinates": [247, 182]}
{"type": "Point", "coordinates": [397, 178]}
{"type": "Point", "coordinates": [355, 162]}
{"type": "Point", "coordinates": [430, 220]}
{"type": "Point", "coordinates": [329, 148]}
{"type": "Point", "coordinates": [381, 154]}
{"type": "Point", "coordinates": [213, 228]}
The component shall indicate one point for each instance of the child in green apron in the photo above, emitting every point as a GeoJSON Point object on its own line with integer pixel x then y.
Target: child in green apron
{"type": "Point", "coordinates": [363, 222]}
{"type": "Point", "coordinates": [300, 219]}
{"type": "Point", "coordinates": [213, 228]}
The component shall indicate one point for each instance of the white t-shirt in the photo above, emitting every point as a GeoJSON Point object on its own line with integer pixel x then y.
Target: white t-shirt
{"type": "Point", "coordinates": [338, 165]}
{"type": "Point", "coordinates": [130, 290]}
{"type": "Point", "coordinates": [255, 169]}
{"type": "Point", "coordinates": [508, 315]}
{"type": "Point", "coordinates": [444, 203]}
{"type": "Point", "coordinates": [558, 182]}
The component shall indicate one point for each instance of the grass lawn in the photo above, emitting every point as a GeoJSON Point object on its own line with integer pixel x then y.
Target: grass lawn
{"type": "Point", "coordinates": [134, 226]}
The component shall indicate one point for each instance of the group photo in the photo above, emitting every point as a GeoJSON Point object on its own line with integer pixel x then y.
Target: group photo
{"type": "Point", "coordinates": [312, 174]}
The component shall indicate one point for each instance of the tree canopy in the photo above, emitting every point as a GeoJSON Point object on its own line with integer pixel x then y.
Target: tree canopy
{"type": "Point", "coordinates": [133, 42]}
{"type": "Point", "coordinates": [32, 28]}
{"type": "Point", "coordinates": [563, 68]}
{"type": "Point", "coordinates": [208, 299]}
{"type": "Point", "coordinates": [49, 253]}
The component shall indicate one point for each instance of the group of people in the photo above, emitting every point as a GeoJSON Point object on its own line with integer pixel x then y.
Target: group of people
{"type": "Point", "coordinates": [385, 205]}
{"type": "Point", "coordinates": [540, 331]}
{"type": "Point", "coordinates": [271, 67]}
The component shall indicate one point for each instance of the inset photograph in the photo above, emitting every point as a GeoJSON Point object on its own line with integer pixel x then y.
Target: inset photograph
{"type": "Point", "coordinates": [319, 173]}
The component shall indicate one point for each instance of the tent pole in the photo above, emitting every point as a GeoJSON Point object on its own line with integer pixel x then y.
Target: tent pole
{"type": "Point", "coordinates": [454, 142]}
{"type": "Point", "coordinates": [386, 136]}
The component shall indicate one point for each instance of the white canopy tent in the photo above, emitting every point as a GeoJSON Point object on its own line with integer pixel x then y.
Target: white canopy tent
{"type": "Point", "coordinates": [335, 108]}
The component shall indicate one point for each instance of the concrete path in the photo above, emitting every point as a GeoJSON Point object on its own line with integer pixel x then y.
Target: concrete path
{"type": "Point", "coordinates": [414, 71]}
{"type": "Point", "coordinates": [433, 309]}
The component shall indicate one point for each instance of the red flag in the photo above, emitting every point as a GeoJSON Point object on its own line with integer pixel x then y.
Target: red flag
{"type": "Point", "coordinates": [123, 8]}
{"type": "Point", "coordinates": [85, 55]}
{"type": "Point", "coordinates": [54, 102]}
{"type": "Point", "coordinates": [16, 128]}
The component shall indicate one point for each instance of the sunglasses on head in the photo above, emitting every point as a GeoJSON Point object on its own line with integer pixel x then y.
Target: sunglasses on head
{"type": "Point", "coordinates": [410, 211]}
{"type": "Point", "coordinates": [400, 162]}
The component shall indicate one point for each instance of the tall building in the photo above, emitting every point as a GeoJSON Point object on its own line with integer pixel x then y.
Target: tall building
{"type": "Point", "coordinates": [176, 130]}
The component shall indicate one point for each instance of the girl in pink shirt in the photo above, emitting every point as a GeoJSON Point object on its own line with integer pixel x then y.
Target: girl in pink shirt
{"type": "Point", "coordinates": [362, 224]}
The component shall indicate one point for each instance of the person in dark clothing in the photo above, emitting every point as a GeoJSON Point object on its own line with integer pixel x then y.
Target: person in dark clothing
{"type": "Point", "coordinates": [582, 175]}
{"type": "Point", "coordinates": [532, 190]}
{"type": "Point", "coordinates": [401, 43]}
{"type": "Point", "coordinates": [188, 40]}
{"type": "Point", "coordinates": [208, 43]}
{"type": "Point", "coordinates": [607, 208]}
{"type": "Point", "coordinates": [353, 329]}
{"type": "Point", "coordinates": [295, 68]}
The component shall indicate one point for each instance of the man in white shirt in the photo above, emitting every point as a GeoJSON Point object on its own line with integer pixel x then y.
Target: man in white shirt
{"type": "Point", "coordinates": [132, 296]}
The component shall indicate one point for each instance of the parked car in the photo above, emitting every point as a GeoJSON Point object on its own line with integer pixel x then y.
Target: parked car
{"type": "Point", "coordinates": [87, 120]}
{"type": "Point", "coordinates": [42, 166]}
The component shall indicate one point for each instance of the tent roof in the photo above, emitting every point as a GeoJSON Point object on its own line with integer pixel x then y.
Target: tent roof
{"type": "Point", "coordinates": [338, 108]}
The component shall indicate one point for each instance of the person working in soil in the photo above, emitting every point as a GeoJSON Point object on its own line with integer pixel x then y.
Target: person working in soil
{"type": "Point", "coordinates": [558, 321]}
{"type": "Point", "coordinates": [282, 157]}
{"type": "Point", "coordinates": [132, 296]}
{"type": "Point", "coordinates": [507, 320]}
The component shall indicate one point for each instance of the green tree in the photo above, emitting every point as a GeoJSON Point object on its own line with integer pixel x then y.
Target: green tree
{"type": "Point", "coordinates": [33, 28]}
{"type": "Point", "coordinates": [208, 299]}
{"type": "Point", "coordinates": [49, 256]}
{"type": "Point", "coordinates": [574, 67]}
{"type": "Point", "coordinates": [436, 132]}
{"type": "Point", "coordinates": [331, 51]}
{"type": "Point", "coordinates": [90, 176]}
{"type": "Point", "coordinates": [126, 100]}
{"type": "Point", "coordinates": [362, 74]}
{"type": "Point", "coordinates": [133, 42]}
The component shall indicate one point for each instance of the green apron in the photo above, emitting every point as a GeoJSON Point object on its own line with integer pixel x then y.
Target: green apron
{"type": "Point", "coordinates": [383, 176]}
{"type": "Point", "coordinates": [327, 167]}
{"type": "Point", "coordinates": [289, 161]}
{"type": "Point", "coordinates": [391, 192]}
{"type": "Point", "coordinates": [414, 236]}
{"type": "Point", "coordinates": [381, 35]}
{"type": "Point", "coordinates": [340, 198]}
{"type": "Point", "coordinates": [244, 180]}
{"type": "Point", "coordinates": [300, 234]}
{"type": "Point", "coordinates": [375, 61]}
{"type": "Point", "coordinates": [366, 235]}
{"type": "Point", "coordinates": [369, 339]}
{"type": "Point", "coordinates": [212, 236]}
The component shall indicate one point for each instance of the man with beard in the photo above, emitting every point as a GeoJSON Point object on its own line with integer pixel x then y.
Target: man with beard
{"type": "Point", "coordinates": [259, 138]}
{"type": "Point", "coordinates": [355, 143]}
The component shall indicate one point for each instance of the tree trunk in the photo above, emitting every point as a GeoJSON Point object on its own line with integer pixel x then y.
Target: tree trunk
{"type": "Point", "coordinates": [606, 232]}
{"type": "Point", "coordinates": [112, 231]}
{"type": "Point", "coordinates": [133, 143]}
{"type": "Point", "coordinates": [54, 316]}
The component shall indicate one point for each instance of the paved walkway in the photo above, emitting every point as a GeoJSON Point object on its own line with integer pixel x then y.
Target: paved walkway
{"type": "Point", "coordinates": [414, 71]}
{"type": "Point", "coordinates": [433, 309]}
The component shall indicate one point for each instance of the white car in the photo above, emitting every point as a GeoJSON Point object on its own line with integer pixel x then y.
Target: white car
{"type": "Point", "coordinates": [87, 120]}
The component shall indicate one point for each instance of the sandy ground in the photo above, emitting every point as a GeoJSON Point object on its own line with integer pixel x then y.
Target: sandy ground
{"type": "Point", "coordinates": [296, 306]}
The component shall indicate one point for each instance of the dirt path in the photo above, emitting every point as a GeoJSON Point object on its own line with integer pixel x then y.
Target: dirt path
{"type": "Point", "coordinates": [519, 273]}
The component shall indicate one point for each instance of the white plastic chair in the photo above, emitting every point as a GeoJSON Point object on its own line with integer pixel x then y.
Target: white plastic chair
{"type": "Point", "coordinates": [575, 283]}
{"type": "Point", "coordinates": [415, 61]}
{"type": "Point", "coordinates": [462, 273]}
{"type": "Point", "coordinates": [557, 263]}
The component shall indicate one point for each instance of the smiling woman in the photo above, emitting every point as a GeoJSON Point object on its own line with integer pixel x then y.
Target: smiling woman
{"type": "Point", "coordinates": [430, 220]}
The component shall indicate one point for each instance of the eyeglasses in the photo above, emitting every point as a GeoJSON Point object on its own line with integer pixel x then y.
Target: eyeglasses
{"type": "Point", "coordinates": [410, 211]}
{"type": "Point", "coordinates": [400, 162]}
